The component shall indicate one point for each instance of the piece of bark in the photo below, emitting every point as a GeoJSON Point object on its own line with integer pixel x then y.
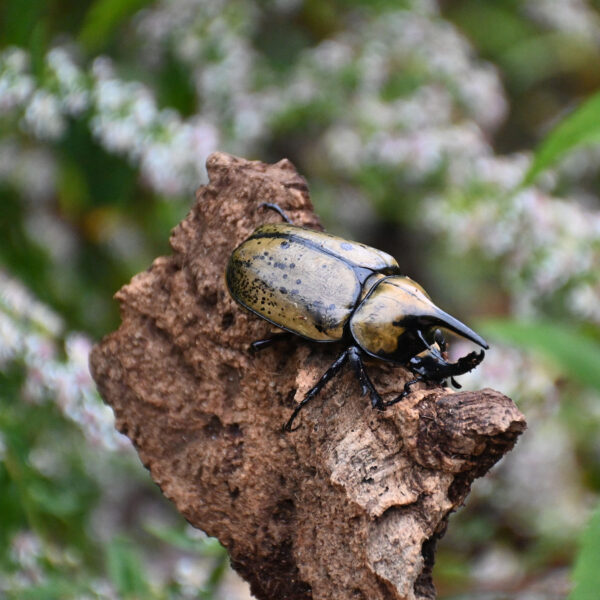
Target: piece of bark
{"type": "Point", "coordinates": [348, 506]}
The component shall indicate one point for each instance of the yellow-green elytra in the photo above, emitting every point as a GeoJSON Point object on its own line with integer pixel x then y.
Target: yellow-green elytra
{"type": "Point", "coordinates": [328, 289]}
{"type": "Point", "coordinates": [304, 281]}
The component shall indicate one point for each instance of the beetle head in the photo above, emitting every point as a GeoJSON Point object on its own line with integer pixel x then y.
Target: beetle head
{"type": "Point", "coordinates": [395, 315]}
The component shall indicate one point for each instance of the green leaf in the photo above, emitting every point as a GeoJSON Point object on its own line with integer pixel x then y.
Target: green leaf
{"type": "Point", "coordinates": [581, 127]}
{"type": "Point", "coordinates": [575, 354]}
{"type": "Point", "coordinates": [103, 17]}
{"type": "Point", "coordinates": [125, 570]}
{"type": "Point", "coordinates": [206, 546]}
{"type": "Point", "coordinates": [586, 574]}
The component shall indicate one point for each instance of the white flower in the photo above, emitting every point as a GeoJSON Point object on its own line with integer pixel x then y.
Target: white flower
{"type": "Point", "coordinates": [43, 116]}
{"type": "Point", "coordinates": [16, 85]}
{"type": "Point", "coordinates": [73, 88]}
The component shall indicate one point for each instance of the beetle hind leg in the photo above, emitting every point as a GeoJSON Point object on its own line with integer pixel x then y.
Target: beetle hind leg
{"type": "Point", "coordinates": [262, 344]}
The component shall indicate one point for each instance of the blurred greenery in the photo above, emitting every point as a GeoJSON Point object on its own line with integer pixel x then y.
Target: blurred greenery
{"type": "Point", "coordinates": [423, 128]}
{"type": "Point", "coordinates": [575, 353]}
{"type": "Point", "coordinates": [580, 128]}
{"type": "Point", "coordinates": [585, 572]}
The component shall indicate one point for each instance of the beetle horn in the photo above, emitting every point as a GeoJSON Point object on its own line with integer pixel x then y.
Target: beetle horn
{"type": "Point", "coordinates": [449, 322]}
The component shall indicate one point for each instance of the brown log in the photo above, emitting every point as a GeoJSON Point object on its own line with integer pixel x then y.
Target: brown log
{"type": "Point", "coordinates": [348, 506]}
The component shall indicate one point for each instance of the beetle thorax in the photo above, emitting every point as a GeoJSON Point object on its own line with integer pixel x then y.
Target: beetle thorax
{"type": "Point", "coordinates": [386, 322]}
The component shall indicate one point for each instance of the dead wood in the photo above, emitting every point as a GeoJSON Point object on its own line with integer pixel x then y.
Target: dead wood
{"type": "Point", "coordinates": [348, 506]}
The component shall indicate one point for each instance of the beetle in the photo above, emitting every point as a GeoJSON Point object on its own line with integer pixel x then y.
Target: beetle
{"type": "Point", "coordinates": [327, 289]}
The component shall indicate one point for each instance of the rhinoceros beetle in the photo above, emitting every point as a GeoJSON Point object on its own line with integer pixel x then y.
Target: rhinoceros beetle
{"type": "Point", "coordinates": [328, 289]}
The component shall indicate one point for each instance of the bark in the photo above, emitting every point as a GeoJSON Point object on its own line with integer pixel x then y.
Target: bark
{"type": "Point", "coordinates": [348, 506]}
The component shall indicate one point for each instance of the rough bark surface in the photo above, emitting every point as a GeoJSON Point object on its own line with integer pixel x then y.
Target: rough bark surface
{"type": "Point", "coordinates": [348, 506]}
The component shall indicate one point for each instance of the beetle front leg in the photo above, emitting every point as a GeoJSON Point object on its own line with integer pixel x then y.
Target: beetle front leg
{"type": "Point", "coordinates": [331, 372]}
{"type": "Point", "coordinates": [406, 390]}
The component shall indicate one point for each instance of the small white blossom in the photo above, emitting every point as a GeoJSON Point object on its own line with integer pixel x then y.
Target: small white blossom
{"type": "Point", "coordinates": [43, 116]}
{"type": "Point", "coordinates": [29, 331]}
{"type": "Point", "coordinates": [570, 16]}
{"type": "Point", "coordinates": [72, 85]}
{"type": "Point", "coordinates": [26, 549]}
{"type": "Point", "coordinates": [16, 85]}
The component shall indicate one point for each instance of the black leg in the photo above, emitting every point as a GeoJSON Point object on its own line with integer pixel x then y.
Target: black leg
{"type": "Point", "coordinates": [440, 340]}
{"type": "Point", "coordinates": [406, 391]}
{"type": "Point", "coordinates": [365, 383]}
{"type": "Point", "coordinates": [422, 338]}
{"type": "Point", "coordinates": [331, 372]}
{"type": "Point", "coordinates": [455, 383]}
{"type": "Point", "coordinates": [276, 337]}
{"type": "Point", "coordinates": [277, 209]}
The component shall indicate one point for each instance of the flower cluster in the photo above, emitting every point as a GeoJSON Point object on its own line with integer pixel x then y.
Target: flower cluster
{"type": "Point", "coordinates": [30, 332]}
{"type": "Point", "coordinates": [123, 117]}
{"type": "Point", "coordinates": [388, 120]}
{"type": "Point", "coordinates": [16, 84]}
{"type": "Point", "coordinates": [575, 17]}
{"type": "Point", "coordinates": [546, 247]}
{"type": "Point", "coordinates": [412, 74]}
{"type": "Point", "coordinates": [34, 561]}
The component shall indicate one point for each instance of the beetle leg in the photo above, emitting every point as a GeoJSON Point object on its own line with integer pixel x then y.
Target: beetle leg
{"type": "Point", "coordinates": [331, 372]}
{"type": "Point", "coordinates": [365, 382]}
{"type": "Point", "coordinates": [422, 338]}
{"type": "Point", "coordinates": [277, 209]}
{"type": "Point", "coordinates": [455, 383]}
{"type": "Point", "coordinates": [440, 340]}
{"type": "Point", "coordinates": [262, 344]}
{"type": "Point", "coordinates": [406, 390]}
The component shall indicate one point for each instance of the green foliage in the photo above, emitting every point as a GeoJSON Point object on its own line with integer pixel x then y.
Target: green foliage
{"type": "Point", "coordinates": [580, 128]}
{"type": "Point", "coordinates": [575, 353]}
{"type": "Point", "coordinates": [103, 18]}
{"type": "Point", "coordinates": [125, 570]}
{"type": "Point", "coordinates": [586, 574]}
{"type": "Point", "coordinates": [204, 546]}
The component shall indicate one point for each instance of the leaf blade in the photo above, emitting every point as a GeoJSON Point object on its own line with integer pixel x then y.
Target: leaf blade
{"type": "Point", "coordinates": [581, 127]}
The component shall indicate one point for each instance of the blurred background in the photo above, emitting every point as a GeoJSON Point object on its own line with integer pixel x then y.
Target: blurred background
{"type": "Point", "coordinates": [457, 135]}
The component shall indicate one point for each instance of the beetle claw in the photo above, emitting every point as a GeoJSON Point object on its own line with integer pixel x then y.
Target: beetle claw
{"type": "Point", "coordinates": [467, 363]}
{"type": "Point", "coordinates": [377, 402]}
